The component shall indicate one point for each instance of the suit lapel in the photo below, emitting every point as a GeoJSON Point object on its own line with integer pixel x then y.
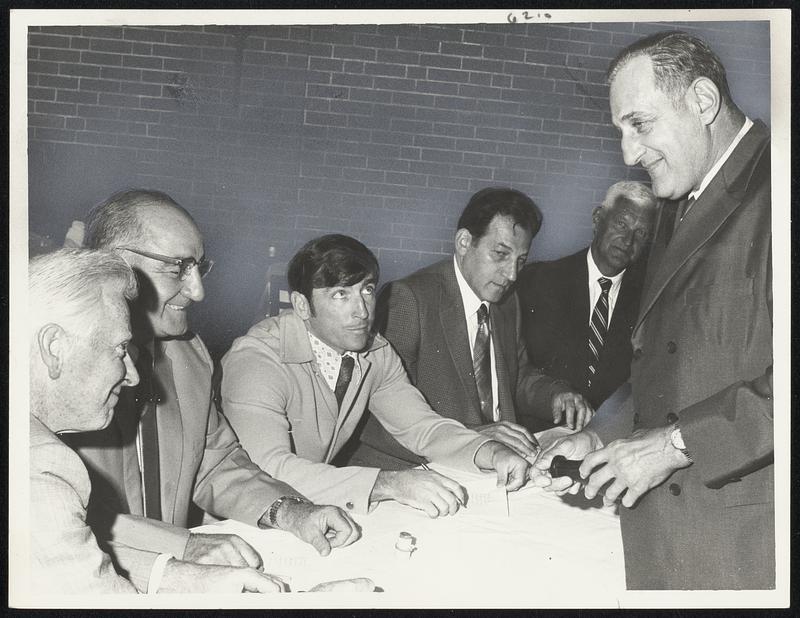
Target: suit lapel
{"type": "Point", "coordinates": [126, 422]}
{"type": "Point", "coordinates": [170, 425]}
{"type": "Point", "coordinates": [454, 328]}
{"type": "Point", "coordinates": [499, 321]}
{"type": "Point", "coordinates": [718, 202]}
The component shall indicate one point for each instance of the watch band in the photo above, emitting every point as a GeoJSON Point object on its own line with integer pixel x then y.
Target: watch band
{"type": "Point", "coordinates": [272, 512]}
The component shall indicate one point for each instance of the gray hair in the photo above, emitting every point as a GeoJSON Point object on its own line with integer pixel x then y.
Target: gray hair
{"type": "Point", "coordinates": [65, 286]}
{"type": "Point", "coordinates": [636, 192]}
{"type": "Point", "coordinates": [678, 59]}
{"type": "Point", "coordinates": [117, 221]}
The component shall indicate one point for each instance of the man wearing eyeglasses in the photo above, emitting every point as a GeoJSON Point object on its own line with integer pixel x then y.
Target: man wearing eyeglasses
{"type": "Point", "coordinates": [167, 445]}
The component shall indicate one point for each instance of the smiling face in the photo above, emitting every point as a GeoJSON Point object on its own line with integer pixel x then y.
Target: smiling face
{"type": "Point", "coordinates": [163, 298]}
{"type": "Point", "coordinates": [621, 232]}
{"type": "Point", "coordinates": [97, 366]}
{"type": "Point", "coordinates": [341, 316]}
{"type": "Point", "coordinates": [490, 264]}
{"type": "Point", "coordinates": [670, 140]}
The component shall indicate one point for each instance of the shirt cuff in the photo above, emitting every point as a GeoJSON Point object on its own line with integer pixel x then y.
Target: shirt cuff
{"type": "Point", "coordinates": [157, 572]}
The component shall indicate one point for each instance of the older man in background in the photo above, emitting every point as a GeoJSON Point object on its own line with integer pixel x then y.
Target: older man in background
{"type": "Point", "coordinates": [79, 364]}
{"type": "Point", "coordinates": [578, 312]}
{"type": "Point", "coordinates": [699, 463]}
{"type": "Point", "coordinates": [168, 446]}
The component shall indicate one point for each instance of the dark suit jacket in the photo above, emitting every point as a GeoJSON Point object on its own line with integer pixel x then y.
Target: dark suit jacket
{"type": "Point", "coordinates": [554, 300]}
{"type": "Point", "coordinates": [423, 318]}
{"type": "Point", "coordinates": [703, 355]}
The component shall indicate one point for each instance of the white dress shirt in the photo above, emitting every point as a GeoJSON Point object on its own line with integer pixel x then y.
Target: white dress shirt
{"type": "Point", "coordinates": [329, 361]}
{"type": "Point", "coordinates": [471, 305]}
{"type": "Point", "coordinates": [595, 290]}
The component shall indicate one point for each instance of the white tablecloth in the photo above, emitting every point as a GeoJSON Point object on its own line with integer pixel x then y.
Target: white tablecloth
{"type": "Point", "coordinates": [545, 552]}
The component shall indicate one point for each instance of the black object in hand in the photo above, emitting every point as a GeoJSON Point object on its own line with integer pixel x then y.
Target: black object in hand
{"type": "Point", "coordinates": [561, 466]}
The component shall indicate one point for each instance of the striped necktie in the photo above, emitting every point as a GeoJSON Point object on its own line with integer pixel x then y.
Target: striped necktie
{"type": "Point", "coordinates": [482, 364]}
{"type": "Point", "coordinates": [598, 328]}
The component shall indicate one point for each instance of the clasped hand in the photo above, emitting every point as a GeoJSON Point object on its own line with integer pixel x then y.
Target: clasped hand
{"type": "Point", "coordinates": [632, 465]}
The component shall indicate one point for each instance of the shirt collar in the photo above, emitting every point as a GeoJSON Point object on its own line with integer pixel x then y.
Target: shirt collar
{"type": "Point", "coordinates": [470, 299]}
{"type": "Point", "coordinates": [322, 349]}
{"type": "Point", "coordinates": [595, 274]}
{"type": "Point", "coordinates": [721, 161]}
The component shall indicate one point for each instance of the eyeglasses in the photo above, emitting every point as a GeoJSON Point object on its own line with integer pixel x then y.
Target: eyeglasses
{"type": "Point", "coordinates": [185, 265]}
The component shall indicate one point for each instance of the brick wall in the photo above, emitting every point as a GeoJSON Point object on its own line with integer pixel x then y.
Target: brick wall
{"type": "Point", "coordinates": [271, 135]}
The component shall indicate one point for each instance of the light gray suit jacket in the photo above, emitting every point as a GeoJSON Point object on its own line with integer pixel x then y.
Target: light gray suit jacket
{"type": "Point", "coordinates": [65, 557]}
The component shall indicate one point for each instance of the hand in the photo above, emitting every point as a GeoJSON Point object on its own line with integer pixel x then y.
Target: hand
{"type": "Point", "coordinates": [181, 576]}
{"type": "Point", "coordinates": [512, 435]}
{"type": "Point", "coordinates": [225, 549]}
{"type": "Point", "coordinates": [573, 446]}
{"type": "Point", "coordinates": [324, 527]}
{"type": "Point", "coordinates": [637, 464]}
{"type": "Point", "coordinates": [358, 584]}
{"type": "Point", "coordinates": [512, 470]}
{"type": "Point", "coordinates": [572, 408]}
{"type": "Point", "coordinates": [427, 490]}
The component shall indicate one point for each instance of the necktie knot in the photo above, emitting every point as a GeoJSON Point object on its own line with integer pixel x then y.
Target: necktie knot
{"type": "Point", "coordinates": [483, 314]}
{"type": "Point", "coordinates": [605, 284]}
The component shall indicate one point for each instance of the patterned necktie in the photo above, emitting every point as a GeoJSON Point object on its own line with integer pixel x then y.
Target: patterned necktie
{"type": "Point", "coordinates": [598, 328]}
{"type": "Point", "coordinates": [343, 381]}
{"type": "Point", "coordinates": [147, 400]}
{"type": "Point", "coordinates": [482, 365]}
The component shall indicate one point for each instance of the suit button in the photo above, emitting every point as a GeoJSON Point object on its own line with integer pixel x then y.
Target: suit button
{"type": "Point", "coordinates": [672, 418]}
{"type": "Point", "coordinates": [349, 505]}
{"type": "Point", "coordinates": [637, 353]}
{"type": "Point", "coordinates": [675, 489]}
{"type": "Point", "coordinates": [636, 418]}
{"type": "Point", "coordinates": [671, 347]}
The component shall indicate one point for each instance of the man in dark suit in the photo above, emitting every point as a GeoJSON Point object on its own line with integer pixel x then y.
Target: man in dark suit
{"type": "Point", "coordinates": [578, 312]}
{"type": "Point", "coordinates": [699, 463]}
{"type": "Point", "coordinates": [456, 325]}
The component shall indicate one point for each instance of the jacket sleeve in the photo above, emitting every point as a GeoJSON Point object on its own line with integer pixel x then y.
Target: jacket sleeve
{"type": "Point", "coordinates": [65, 556]}
{"type": "Point", "coordinates": [397, 318]}
{"type": "Point", "coordinates": [535, 390]}
{"type": "Point", "coordinates": [257, 408]}
{"type": "Point", "coordinates": [405, 414]}
{"type": "Point", "coordinates": [730, 434]}
{"type": "Point", "coordinates": [228, 483]}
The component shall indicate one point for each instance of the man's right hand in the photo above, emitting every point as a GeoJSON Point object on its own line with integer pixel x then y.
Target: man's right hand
{"type": "Point", "coordinates": [224, 549]}
{"type": "Point", "coordinates": [324, 527]}
{"type": "Point", "coordinates": [181, 576]}
{"type": "Point", "coordinates": [513, 436]}
{"type": "Point", "coordinates": [573, 446]}
{"type": "Point", "coordinates": [426, 490]}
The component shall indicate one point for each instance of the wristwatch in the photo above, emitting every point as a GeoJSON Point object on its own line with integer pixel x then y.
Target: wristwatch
{"type": "Point", "coordinates": [676, 439]}
{"type": "Point", "coordinates": [272, 512]}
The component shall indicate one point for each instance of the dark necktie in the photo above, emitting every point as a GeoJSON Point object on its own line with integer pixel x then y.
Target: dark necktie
{"type": "Point", "coordinates": [147, 400]}
{"type": "Point", "coordinates": [482, 364]}
{"type": "Point", "coordinates": [343, 381]}
{"type": "Point", "coordinates": [598, 327]}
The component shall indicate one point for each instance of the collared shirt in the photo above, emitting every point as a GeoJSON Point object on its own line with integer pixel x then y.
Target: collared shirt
{"type": "Point", "coordinates": [329, 361]}
{"type": "Point", "coordinates": [595, 289]}
{"type": "Point", "coordinates": [721, 161]}
{"type": "Point", "coordinates": [471, 305]}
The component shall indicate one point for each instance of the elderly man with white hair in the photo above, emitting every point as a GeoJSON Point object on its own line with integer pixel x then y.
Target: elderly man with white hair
{"type": "Point", "coordinates": [79, 333]}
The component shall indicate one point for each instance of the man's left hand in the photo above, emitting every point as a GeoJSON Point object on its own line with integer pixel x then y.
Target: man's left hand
{"type": "Point", "coordinates": [324, 527]}
{"type": "Point", "coordinates": [512, 470]}
{"type": "Point", "coordinates": [571, 408]}
{"type": "Point", "coordinates": [636, 465]}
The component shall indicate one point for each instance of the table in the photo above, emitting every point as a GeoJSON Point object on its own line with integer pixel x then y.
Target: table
{"type": "Point", "coordinates": [547, 551]}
